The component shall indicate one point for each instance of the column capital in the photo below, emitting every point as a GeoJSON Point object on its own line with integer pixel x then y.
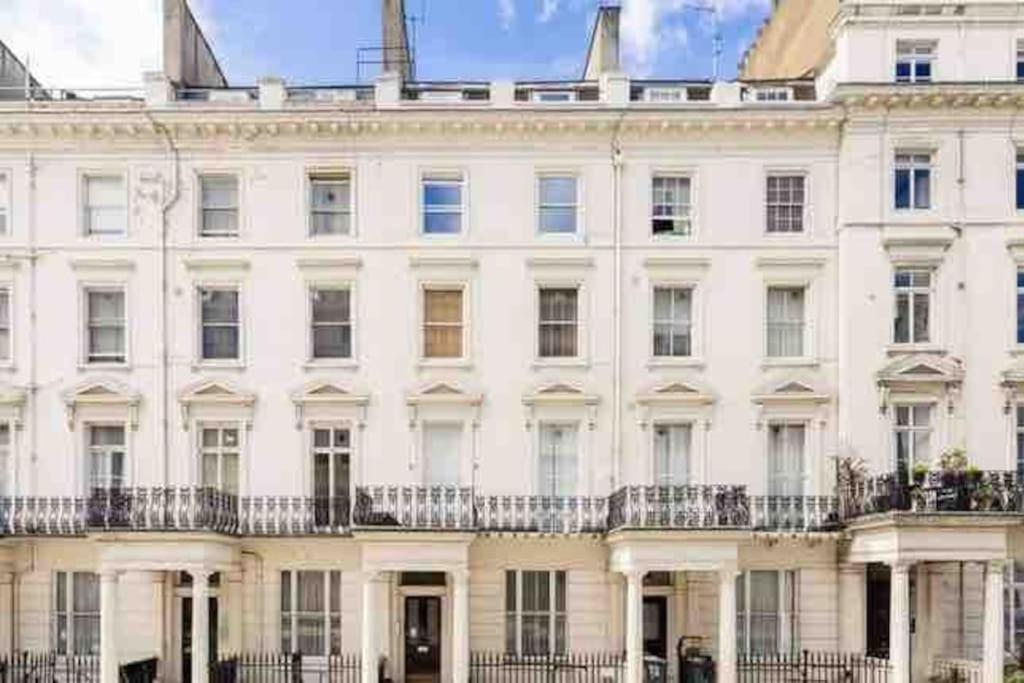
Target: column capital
{"type": "Point", "coordinates": [200, 574]}
{"type": "Point", "coordinates": [901, 567]}
{"type": "Point", "coordinates": [996, 566]}
{"type": "Point", "coordinates": [460, 575]}
{"type": "Point", "coordinates": [108, 574]}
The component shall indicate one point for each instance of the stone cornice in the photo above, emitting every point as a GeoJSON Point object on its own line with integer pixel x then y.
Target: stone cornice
{"type": "Point", "coordinates": [84, 125]}
{"type": "Point", "coordinates": [949, 96]}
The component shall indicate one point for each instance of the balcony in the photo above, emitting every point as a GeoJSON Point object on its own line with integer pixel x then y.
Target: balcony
{"type": "Point", "coordinates": [679, 507]}
{"type": "Point", "coordinates": [426, 508]}
{"type": "Point", "coordinates": [794, 514]}
{"type": "Point", "coordinates": [542, 514]}
{"type": "Point", "coordinates": [942, 492]}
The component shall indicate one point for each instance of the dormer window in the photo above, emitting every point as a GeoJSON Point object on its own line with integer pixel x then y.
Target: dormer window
{"type": "Point", "coordinates": [914, 59]}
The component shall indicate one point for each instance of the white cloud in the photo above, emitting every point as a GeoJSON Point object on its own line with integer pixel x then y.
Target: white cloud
{"type": "Point", "coordinates": [90, 43]}
{"type": "Point", "coordinates": [507, 13]}
{"type": "Point", "coordinates": [547, 10]}
{"type": "Point", "coordinates": [650, 26]}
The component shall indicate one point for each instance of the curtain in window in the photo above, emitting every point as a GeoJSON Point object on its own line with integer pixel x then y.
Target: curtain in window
{"type": "Point", "coordinates": [673, 309]}
{"type": "Point", "coordinates": [310, 604]}
{"type": "Point", "coordinates": [672, 454]}
{"type": "Point", "coordinates": [558, 460]}
{"type": "Point", "coordinates": [220, 324]}
{"type": "Point", "coordinates": [220, 205]}
{"type": "Point", "coordinates": [106, 457]}
{"type": "Point", "coordinates": [442, 317]}
{"type": "Point", "coordinates": [558, 323]}
{"type": "Point", "coordinates": [785, 322]}
{"type": "Point", "coordinates": [786, 445]}
{"type": "Point", "coordinates": [441, 453]}
{"type": "Point", "coordinates": [86, 612]}
{"type": "Point", "coordinates": [764, 612]}
{"type": "Point", "coordinates": [106, 325]}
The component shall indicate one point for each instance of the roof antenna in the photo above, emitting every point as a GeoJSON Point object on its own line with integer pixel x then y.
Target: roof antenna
{"type": "Point", "coordinates": [716, 27]}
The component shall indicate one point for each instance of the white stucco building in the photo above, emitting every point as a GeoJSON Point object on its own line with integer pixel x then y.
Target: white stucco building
{"type": "Point", "coordinates": [452, 378]}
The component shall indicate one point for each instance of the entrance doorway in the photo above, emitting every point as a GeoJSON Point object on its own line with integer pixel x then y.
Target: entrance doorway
{"type": "Point", "coordinates": [877, 617]}
{"type": "Point", "coordinates": [186, 636]}
{"type": "Point", "coordinates": [656, 627]}
{"type": "Point", "coordinates": [422, 639]}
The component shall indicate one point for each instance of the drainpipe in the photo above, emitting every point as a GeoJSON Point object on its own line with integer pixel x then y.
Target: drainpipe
{"type": "Point", "coordinates": [168, 202]}
{"type": "Point", "coordinates": [616, 161]}
{"type": "Point", "coordinates": [33, 380]}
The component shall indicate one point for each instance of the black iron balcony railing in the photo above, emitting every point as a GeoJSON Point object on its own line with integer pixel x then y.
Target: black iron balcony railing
{"type": "Point", "coordinates": [679, 507]}
{"type": "Point", "coordinates": [442, 508]}
{"type": "Point", "coordinates": [932, 492]}
{"type": "Point", "coordinates": [162, 509]}
{"type": "Point", "coordinates": [794, 513]}
{"type": "Point", "coordinates": [294, 515]}
{"type": "Point", "coordinates": [542, 514]}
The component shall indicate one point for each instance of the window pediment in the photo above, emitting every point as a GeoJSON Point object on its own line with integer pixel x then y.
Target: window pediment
{"type": "Point", "coordinates": [101, 393]}
{"type": "Point", "coordinates": [214, 394]}
{"type": "Point", "coordinates": [921, 369]}
{"type": "Point", "coordinates": [564, 396]}
{"type": "Point", "coordinates": [792, 389]}
{"type": "Point", "coordinates": [324, 395]}
{"type": "Point", "coordinates": [446, 393]}
{"type": "Point", "coordinates": [686, 392]}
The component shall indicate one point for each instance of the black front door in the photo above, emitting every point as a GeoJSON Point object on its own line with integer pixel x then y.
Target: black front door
{"type": "Point", "coordinates": [656, 627]}
{"type": "Point", "coordinates": [878, 583]}
{"type": "Point", "coordinates": [422, 639]}
{"type": "Point", "coordinates": [186, 636]}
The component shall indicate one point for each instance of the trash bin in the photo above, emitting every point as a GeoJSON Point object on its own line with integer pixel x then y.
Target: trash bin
{"type": "Point", "coordinates": [695, 665]}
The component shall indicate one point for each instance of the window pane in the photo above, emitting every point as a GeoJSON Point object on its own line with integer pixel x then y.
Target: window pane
{"type": "Point", "coordinates": [921, 312]}
{"type": "Point", "coordinates": [220, 343]}
{"type": "Point", "coordinates": [442, 453]}
{"type": "Point", "coordinates": [219, 306]}
{"type": "Point", "coordinates": [785, 322]}
{"type": "Point", "coordinates": [442, 316]}
{"type": "Point", "coordinates": [558, 327]}
{"type": "Point", "coordinates": [558, 220]}
{"type": "Point", "coordinates": [922, 189]}
{"type": "Point", "coordinates": [219, 192]}
{"type": "Point", "coordinates": [557, 191]}
{"type": "Point", "coordinates": [902, 192]}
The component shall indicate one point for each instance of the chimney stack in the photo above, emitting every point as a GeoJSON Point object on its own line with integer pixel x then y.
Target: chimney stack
{"type": "Point", "coordinates": [189, 61]}
{"type": "Point", "coordinates": [603, 55]}
{"type": "Point", "coordinates": [397, 57]}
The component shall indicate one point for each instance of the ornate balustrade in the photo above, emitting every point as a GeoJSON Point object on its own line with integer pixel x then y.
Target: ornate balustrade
{"type": "Point", "coordinates": [794, 513]}
{"type": "Point", "coordinates": [542, 514]}
{"type": "Point", "coordinates": [447, 508]}
{"type": "Point", "coordinates": [679, 507]}
{"type": "Point", "coordinates": [934, 492]}
{"type": "Point", "coordinates": [294, 516]}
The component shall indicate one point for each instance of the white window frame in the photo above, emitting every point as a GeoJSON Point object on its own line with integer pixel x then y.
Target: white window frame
{"type": "Point", "coordinates": [220, 450]}
{"type": "Point", "coordinates": [311, 290]}
{"type": "Point", "coordinates": [200, 287]}
{"type": "Point", "coordinates": [421, 318]}
{"type": "Point", "coordinates": [805, 217]}
{"type": "Point", "coordinates": [7, 355]}
{"type": "Point", "coordinates": [107, 451]}
{"type": "Point", "coordinates": [449, 177]}
{"type": "Point", "coordinates": [788, 633]}
{"type": "Point", "coordinates": [786, 424]}
{"type": "Point", "coordinates": [553, 613]}
{"type": "Point", "coordinates": [426, 426]}
{"type": "Point", "coordinates": [911, 51]}
{"type": "Point", "coordinates": [806, 337]}
{"type": "Point", "coordinates": [581, 321]}
{"type": "Point", "coordinates": [911, 429]}
{"type": "Point", "coordinates": [84, 213]}
{"type": "Point", "coordinates": [333, 427]}
{"type": "Point", "coordinates": [6, 202]}
{"type": "Point", "coordinates": [294, 614]}
{"type": "Point", "coordinates": [580, 202]}
{"type": "Point", "coordinates": [912, 166]}
{"type": "Point", "coordinates": [690, 207]}
{"type": "Point", "coordinates": [666, 479]}
{"type": "Point", "coordinates": [313, 176]}
{"type": "Point", "coordinates": [673, 358]}
{"type": "Point", "coordinates": [912, 292]}
{"type": "Point", "coordinates": [200, 176]}
{"type": "Point", "coordinates": [86, 289]}
{"type": "Point", "coordinates": [69, 613]}
{"type": "Point", "coordinates": [580, 434]}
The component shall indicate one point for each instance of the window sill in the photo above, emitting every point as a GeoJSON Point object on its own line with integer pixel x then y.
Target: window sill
{"type": "Point", "coordinates": [790, 362]}
{"type": "Point", "coordinates": [104, 367]}
{"type": "Point", "coordinates": [218, 365]}
{"type": "Point", "coordinates": [903, 349]}
{"type": "Point", "coordinates": [331, 364]}
{"type": "Point", "coordinates": [544, 363]}
{"type": "Point", "coordinates": [455, 363]}
{"type": "Point", "coordinates": [673, 236]}
{"type": "Point", "coordinates": [680, 362]}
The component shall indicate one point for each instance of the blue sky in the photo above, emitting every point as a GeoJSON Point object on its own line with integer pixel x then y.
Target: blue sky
{"type": "Point", "coordinates": [91, 43]}
{"type": "Point", "coordinates": [315, 41]}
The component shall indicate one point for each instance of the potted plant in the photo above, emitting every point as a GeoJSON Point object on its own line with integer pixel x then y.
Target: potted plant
{"type": "Point", "coordinates": [973, 474]}
{"type": "Point", "coordinates": [952, 464]}
{"type": "Point", "coordinates": [920, 471]}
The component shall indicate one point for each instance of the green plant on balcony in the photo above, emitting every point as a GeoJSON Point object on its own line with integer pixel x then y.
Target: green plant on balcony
{"type": "Point", "coordinates": [919, 472]}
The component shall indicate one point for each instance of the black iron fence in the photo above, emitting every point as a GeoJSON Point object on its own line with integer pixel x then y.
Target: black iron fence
{"type": "Point", "coordinates": [811, 667]}
{"type": "Point", "coordinates": [932, 492]}
{"type": "Point", "coordinates": [601, 667]}
{"type": "Point", "coordinates": [140, 671]}
{"type": "Point", "coordinates": [48, 667]}
{"type": "Point", "coordinates": [542, 514]}
{"type": "Point", "coordinates": [285, 668]}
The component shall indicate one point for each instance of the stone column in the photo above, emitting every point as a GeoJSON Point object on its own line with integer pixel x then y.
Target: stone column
{"type": "Point", "coordinates": [634, 626]}
{"type": "Point", "coordinates": [921, 659]}
{"type": "Point", "coordinates": [899, 623]}
{"type": "Point", "coordinates": [7, 613]}
{"type": "Point", "coordinates": [109, 664]}
{"type": "Point", "coordinates": [727, 625]}
{"type": "Point", "coordinates": [852, 608]}
{"type": "Point", "coordinates": [992, 664]}
{"type": "Point", "coordinates": [200, 625]}
{"type": "Point", "coordinates": [460, 626]}
{"type": "Point", "coordinates": [234, 597]}
{"type": "Point", "coordinates": [368, 646]}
